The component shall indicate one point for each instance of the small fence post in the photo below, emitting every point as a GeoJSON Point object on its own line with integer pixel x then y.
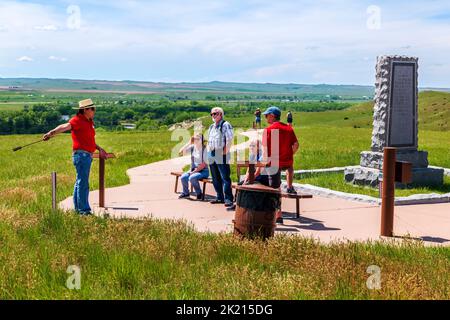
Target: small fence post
{"type": "Point", "coordinates": [101, 183]}
{"type": "Point", "coordinates": [54, 190]}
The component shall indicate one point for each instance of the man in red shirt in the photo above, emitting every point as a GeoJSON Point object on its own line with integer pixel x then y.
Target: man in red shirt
{"type": "Point", "coordinates": [279, 145]}
{"type": "Point", "coordinates": [83, 146]}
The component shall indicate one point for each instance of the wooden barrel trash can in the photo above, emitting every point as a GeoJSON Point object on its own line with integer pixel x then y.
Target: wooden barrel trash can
{"type": "Point", "coordinates": [256, 207]}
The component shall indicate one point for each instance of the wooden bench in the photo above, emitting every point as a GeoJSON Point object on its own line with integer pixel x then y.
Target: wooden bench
{"type": "Point", "coordinates": [283, 194]}
{"type": "Point", "coordinates": [178, 174]}
{"type": "Point", "coordinates": [297, 198]}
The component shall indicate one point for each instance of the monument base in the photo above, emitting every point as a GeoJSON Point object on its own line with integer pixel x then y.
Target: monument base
{"type": "Point", "coordinates": [372, 159]}
{"type": "Point", "coordinates": [421, 177]}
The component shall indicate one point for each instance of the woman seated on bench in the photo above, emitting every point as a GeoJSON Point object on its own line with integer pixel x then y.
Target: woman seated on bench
{"type": "Point", "coordinates": [199, 169]}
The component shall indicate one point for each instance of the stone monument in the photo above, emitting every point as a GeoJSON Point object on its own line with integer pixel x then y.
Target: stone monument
{"type": "Point", "coordinates": [395, 124]}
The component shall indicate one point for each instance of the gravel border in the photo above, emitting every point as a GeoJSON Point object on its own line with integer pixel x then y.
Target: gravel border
{"type": "Point", "coordinates": [428, 198]}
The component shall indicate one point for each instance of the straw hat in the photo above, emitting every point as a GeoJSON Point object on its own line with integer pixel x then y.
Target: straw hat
{"type": "Point", "coordinates": [85, 104]}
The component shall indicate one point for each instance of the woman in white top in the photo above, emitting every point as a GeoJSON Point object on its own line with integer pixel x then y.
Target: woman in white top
{"type": "Point", "coordinates": [199, 168]}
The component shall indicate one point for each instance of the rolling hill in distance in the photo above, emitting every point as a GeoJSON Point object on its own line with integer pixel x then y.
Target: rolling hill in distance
{"type": "Point", "coordinates": [215, 87]}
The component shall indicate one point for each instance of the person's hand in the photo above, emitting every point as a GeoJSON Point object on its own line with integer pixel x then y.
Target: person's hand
{"type": "Point", "coordinates": [48, 135]}
{"type": "Point", "coordinates": [103, 154]}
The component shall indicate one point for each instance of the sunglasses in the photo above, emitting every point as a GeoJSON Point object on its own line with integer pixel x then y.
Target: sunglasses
{"type": "Point", "coordinates": [214, 113]}
{"type": "Point", "coordinates": [91, 108]}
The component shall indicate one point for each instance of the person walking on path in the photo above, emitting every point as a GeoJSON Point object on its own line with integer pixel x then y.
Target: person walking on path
{"type": "Point", "coordinates": [289, 118]}
{"type": "Point", "coordinates": [257, 119]}
{"type": "Point", "coordinates": [199, 168]}
{"type": "Point", "coordinates": [220, 139]}
{"type": "Point", "coordinates": [83, 146]}
{"type": "Point", "coordinates": [279, 144]}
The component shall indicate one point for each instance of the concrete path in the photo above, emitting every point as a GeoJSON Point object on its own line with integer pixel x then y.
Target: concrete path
{"type": "Point", "coordinates": [151, 194]}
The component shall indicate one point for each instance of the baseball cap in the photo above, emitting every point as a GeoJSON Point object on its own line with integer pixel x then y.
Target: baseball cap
{"type": "Point", "coordinates": [273, 110]}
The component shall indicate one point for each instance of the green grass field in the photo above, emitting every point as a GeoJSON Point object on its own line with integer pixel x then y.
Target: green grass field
{"type": "Point", "coordinates": [15, 106]}
{"type": "Point", "coordinates": [152, 259]}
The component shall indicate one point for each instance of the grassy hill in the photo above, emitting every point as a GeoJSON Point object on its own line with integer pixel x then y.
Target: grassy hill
{"type": "Point", "coordinates": [434, 113]}
{"type": "Point", "coordinates": [214, 87]}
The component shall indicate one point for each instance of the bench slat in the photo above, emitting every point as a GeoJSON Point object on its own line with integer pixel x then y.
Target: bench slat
{"type": "Point", "coordinates": [295, 196]}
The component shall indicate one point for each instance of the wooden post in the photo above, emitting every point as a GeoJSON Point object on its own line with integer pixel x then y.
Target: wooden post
{"type": "Point", "coordinates": [54, 190]}
{"type": "Point", "coordinates": [101, 177]}
{"type": "Point", "coordinates": [176, 184]}
{"type": "Point", "coordinates": [204, 190]}
{"type": "Point", "coordinates": [388, 192]}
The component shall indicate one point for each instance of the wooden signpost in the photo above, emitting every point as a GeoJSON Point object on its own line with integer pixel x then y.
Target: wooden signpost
{"type": "Point", "coordinates": [101, 176]}
{"type": "Point", "coordinates": [393, 171]}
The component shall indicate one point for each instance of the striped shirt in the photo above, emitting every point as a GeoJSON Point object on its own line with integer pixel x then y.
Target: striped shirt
{"type": "Point", "coordinates": [216, 138]}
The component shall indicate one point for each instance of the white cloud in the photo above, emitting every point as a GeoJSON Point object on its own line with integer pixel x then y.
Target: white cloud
{"type": "Point", "coordinates": [242, 41]}
{"type": "Point", "coordinates": [25, 59]}
{"type": "Point", "coordinates": [49, 27]}
{"type": "Point", "coordinates": [60, 59]}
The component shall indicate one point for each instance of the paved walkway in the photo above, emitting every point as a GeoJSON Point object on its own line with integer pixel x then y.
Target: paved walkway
{"type": "Point", "coordinates": [150, 194]}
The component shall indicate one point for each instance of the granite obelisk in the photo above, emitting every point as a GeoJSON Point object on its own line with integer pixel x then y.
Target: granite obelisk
{"type": "Point", "coordinates": [395, 124]}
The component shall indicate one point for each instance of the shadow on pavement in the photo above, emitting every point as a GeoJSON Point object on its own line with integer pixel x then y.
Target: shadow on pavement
{"type": "Point", "coordinates": [434, 239]}
{"type": "Point", "coordinates": [304, 223]}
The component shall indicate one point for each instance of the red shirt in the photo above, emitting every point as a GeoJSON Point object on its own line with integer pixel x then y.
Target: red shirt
{"type": "Point", "coordinates": [282, 150]}
{"type": "Point", "coordinates": [83, 133]}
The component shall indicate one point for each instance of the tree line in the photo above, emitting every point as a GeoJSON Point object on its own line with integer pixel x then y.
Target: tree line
{"type": "Point", "coordinates": [146, 115]}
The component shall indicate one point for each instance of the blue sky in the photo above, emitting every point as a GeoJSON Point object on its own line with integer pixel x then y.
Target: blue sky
{"type": "Point", "coordinates": [322, 41]}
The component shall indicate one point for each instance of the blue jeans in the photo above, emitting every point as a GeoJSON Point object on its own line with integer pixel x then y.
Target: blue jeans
{"type": "Point", "coordinates": [220, 174]}
{"type": "Point", "coordinates": [193, 178]}
{"type": "Point", "coordinates": [82, 162]}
